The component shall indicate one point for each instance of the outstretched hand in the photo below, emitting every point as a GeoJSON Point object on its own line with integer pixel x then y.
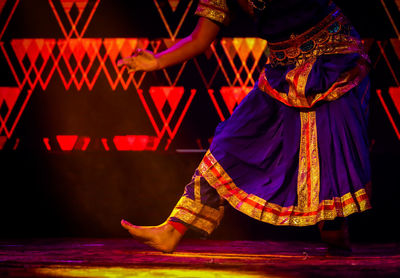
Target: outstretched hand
{"type": "Point", "coordinates": [142, 60]}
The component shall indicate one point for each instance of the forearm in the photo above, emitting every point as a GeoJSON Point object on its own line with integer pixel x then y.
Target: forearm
{"type": "Point", "coordinates": [183, 50]}
{"type": "Point", "coordinates": [196, 43]}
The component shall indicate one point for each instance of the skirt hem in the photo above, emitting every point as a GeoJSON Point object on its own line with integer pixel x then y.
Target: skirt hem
{"type": "Point", "coordinates": [274, 214]}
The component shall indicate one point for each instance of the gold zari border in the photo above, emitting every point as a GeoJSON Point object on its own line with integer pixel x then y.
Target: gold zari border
{"type": "Point", "coordinates": [308, 180]}
{"type": "Point", "coordinates": [262, 210]}
{"type": "Point", "coordinates": [324, 42]}
{"type": "Point", "coordinates": [297, 80]}
{"type": "Point", "coordinates": [197, 194]}
{"type": "Point", "coordinates": [195, 214]}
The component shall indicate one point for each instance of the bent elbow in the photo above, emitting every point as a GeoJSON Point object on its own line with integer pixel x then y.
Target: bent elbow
{"type": "Point", "coordinates": [204, 34]}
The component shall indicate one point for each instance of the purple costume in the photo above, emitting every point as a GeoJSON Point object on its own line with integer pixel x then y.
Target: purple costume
{"type": "Point", "coordinates": [295, 151]}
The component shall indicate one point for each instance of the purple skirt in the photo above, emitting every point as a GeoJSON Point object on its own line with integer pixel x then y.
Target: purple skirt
{"type": "Point", "coordinates": [286, 166]}
{"type": "Point", "coordinates": [295, 151]}
{"type": "Point", "coordinates": [293, 166]}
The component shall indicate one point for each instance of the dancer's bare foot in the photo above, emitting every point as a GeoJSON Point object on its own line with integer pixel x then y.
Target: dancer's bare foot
{"type": "Point", "coordinates": [163, 237]}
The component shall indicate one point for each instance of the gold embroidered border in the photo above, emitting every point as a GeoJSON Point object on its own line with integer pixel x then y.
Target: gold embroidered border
{"type": "Point", "coordinates": [200, 216]}
{"type": "Point", "coordinates": [197, 195]}
{"type": "Point", "coordinates": [296, 98]}
{"type": "Point", "coordinates": [297, 80]}
{"type": "Point", "coordinates": [260, 209]}
{"type": "Point", "coordinates": [308, 180]}
{"type": "Point", "coordinates": [216, 10]}
{"type": "Point", "coordinates": [332, 35]}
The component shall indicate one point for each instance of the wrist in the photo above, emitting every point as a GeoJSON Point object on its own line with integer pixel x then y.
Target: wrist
{"type": "Point", "coordinates": [159, 62]}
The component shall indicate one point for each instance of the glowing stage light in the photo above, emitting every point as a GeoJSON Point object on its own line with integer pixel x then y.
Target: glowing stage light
{"type": "Point", "coordinates": [394, 93]}
{"type": "Point", "coordinates": [79, 271]}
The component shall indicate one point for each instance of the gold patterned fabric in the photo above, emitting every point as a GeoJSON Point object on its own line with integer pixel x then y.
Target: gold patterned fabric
{"type": "Point", "coordinates": [195, 208]}
{"type": "Point", "coordinates": [331, 36]}
{"type": "Point", "coordinates": [215, 10]}
{"type": "Point", "coordinates": [297, 81]}
{"type": "Point", "coordinates": [309, 211]}
{"type": "Point", "coordinates": [308, 180]}
{"type": "Point", "coordinates": [197, 215]}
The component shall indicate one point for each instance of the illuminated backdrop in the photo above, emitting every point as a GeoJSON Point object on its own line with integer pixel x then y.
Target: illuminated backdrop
{"type": "Point", "coordinates": [78, 63]}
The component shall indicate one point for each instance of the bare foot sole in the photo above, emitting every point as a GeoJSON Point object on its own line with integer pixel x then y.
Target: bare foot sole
{"type": "Point", "coordinates": [163, 238]}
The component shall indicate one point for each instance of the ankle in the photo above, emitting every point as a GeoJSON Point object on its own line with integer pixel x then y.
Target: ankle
{"type": "Point", "coordinates": [181, 228]}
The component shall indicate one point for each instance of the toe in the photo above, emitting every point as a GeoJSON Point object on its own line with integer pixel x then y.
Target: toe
{"type": "Point", "coordinates": [125, 224]}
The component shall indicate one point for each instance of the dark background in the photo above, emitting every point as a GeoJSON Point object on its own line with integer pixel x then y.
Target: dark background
{"type": "Point", "coordinates": [85, 193]}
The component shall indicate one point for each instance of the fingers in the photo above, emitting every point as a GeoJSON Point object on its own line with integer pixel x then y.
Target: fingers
{"type": "Point", "coordinates": [129, 61]}
{"type": "Point", "coordinates": [138, 51]}
{"type": "Point", "coordinates": [120, 63]}
{"type": "Point", "coordinates": [123, 62]}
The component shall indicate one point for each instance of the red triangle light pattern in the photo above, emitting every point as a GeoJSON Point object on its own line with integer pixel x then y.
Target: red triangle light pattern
{"type": "Point", "coordinates": [73, 52]}
{"type": "Point", "coordinates": [67, 57]}
{"type": "Point", "coordinates": [5, 13]}
{"type": "Point", "coordinates": [172, 97]}
{"type": "Point", "coordinates": [9, 96]}
{"type": "Point", "coordinates": [394, 94]}
{"type": "Point", "coordinates": [12, 99]}
{"type": "Point", "coordinates": [2, 3]}
{"type": "Point", "coordinates": [173, 4]}
{"type": "Point", "coordinates": [63, 12]}
{"type": "Point", "coordinates": [396, 46]}
{"type": "Point", "coordinates": [243, 48]}
{"type": "Point", "coordinates": [153, 101]}
{"type": "Point", "coordinates": [136, 143]}
{"type": "Point", "coordinates": [67, 142]}
{"type": "Point", "coordinates": [3, 140]}
{"type": "Point", "coordinates": [79, 61]}
{"type": "Point", "coordinates": [30, 50]}
{"type": "Point", "coordinates": [231, 97]}
{"type": "Point", "coordinates": [74, 143]}
{"type": "Point", "coordinates": [8, 99]}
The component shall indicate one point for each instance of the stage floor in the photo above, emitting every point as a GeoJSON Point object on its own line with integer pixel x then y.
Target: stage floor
{"type": "Point", "coordinates": [193, 258]}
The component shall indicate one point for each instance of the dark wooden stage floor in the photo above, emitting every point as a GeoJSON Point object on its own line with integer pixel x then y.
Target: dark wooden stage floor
{"type": "Point", "coordinates": [194, 258]}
